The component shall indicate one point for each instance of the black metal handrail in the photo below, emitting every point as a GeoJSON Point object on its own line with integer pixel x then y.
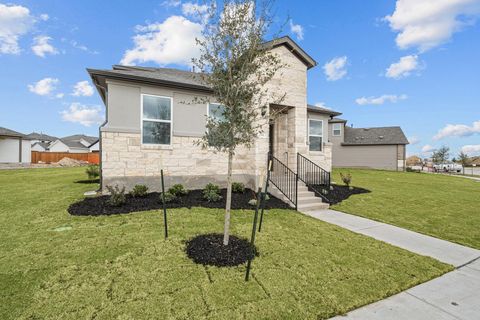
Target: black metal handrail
{"type": "Point", "coordinates": [284, 179]}
{"type": "Point", "coordinates": [314, 176]}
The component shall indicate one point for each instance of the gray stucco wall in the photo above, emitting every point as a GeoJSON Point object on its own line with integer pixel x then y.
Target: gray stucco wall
{"type": "Point", "coordinates": [124, 108]}
{"type": "Point", "coordinates": [375, 156]}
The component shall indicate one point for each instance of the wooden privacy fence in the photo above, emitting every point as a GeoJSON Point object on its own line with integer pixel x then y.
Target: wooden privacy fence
{"type": "Point", "coordinates": [49, 157]}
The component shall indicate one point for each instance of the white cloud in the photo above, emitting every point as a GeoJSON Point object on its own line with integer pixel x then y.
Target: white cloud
{"type": "Point", "coordinates": [192, 9]}
{"type": "Point", "coordinates": [85, 115]}
{"type": "Point", "coordinates": [15, 21]}
{"type": "Point", "coordinates": [171, 3]}
{"type": "Point", "coordinates": [82, 88]}
{"type": "Point", "coordinates": [297, 30]}
{"type": "Point", "coordinates": [425, 24]}
{"type": "Point", "coordinates": [458, 130]}
{"type": "Point", "coordinates": [172, 41]}
{"type": "Point", "coordinates": [471, 149]}
{"type": "Point", "coordinates": [82, 47]}
{"type": "Point", "coordinates": [335, 69]}
{"type": "Point", "coordinates": [59, 95]}
{"type": "Point", "coordinates": [403, 68]}
{"type": "Point", "coordinates": [44, 87]}
{"type": "Point", "coordinates": [427, 149]}
{"type": "Point", "coordinates": [413, 140]}
{"type": "Point", "coordinates": [381, 99]}
{"type": "Point", "coordinates": [41, 46]}
{"type": "Point", "coordinates": [44, 17]}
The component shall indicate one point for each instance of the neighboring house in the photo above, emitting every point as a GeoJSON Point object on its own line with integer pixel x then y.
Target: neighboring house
{"type": "Point", "coordinates": [153, 122]}
{"type": "Point", "coordinates": [95, 147]}
{"type": "Point", "coordinates": [78, 143]}
{"type": "Point", "coordinates": [40, 137]}
{"type": "Point", "coordinates": [14, 147]}
{"type": "Point", "coordinates": [378, 148]}
{"type": "Point", "coordinates": [40, 146]}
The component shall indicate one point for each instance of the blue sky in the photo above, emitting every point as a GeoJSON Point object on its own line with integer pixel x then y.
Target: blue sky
{"type": "Point", "coordinates": [413, 63]}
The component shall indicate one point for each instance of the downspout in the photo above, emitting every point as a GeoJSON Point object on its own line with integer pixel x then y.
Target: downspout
{"type": "Point", "coordinates": [100, 134]}
{"type": "Point", "coordinates": [20, 150]}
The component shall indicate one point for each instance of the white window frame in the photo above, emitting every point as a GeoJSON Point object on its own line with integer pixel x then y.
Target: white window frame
{"type": "Point", "coordinates": [315, 135]}
{"type": "Point", "coordinates": [156, 120]}
{"type": "Point", "coordinates": [339, 129]}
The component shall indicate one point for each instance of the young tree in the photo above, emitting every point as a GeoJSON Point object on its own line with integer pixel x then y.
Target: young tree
{"type": "Point", "coordinates": [464, 160]}
{"type": "Point", "coordinates": [441, 155]}
{"type": "Point", "coordinates": [235, 63]}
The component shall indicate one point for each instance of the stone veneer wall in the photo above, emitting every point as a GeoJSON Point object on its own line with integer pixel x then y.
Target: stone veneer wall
{"type": "Point", "coordinates": [126, 162]}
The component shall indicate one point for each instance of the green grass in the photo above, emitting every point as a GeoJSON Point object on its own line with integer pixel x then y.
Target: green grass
{"type": "Point", "coordinates": [55, 266]}
{"type": "Point", "coordinates": [442, 206]}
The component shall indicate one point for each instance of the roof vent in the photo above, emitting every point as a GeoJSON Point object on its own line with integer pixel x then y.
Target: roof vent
{"type": "Point", "coordinates": [380, 137]}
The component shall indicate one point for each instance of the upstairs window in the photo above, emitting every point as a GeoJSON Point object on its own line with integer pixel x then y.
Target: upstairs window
{"type": "Point", "coordinates": [156, 120]}
{"type": "Point", "coordinates": [315, 135]}
{"type": "Point", "coordinates": [337, 129]}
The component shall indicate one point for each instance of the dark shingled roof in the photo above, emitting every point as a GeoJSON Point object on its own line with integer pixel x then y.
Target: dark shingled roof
{"type": "Point", "coordinates": [159, 75]}
{"type": "Point", "coordinates": [41, 137]}
{"type": "Point", "coordinates": [316, 109]}
{"type": "Point", "coordinates": [374, 136]}
{"type": "Point", "coordinates": [10, 133]}
{"type": "Point", "coordinates": [74, 141]}
{"type": "Point", "coordinates": [78, 137]}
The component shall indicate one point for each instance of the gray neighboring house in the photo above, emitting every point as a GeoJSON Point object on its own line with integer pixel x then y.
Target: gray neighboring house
{"type": "Point", "coordinates": [14, 147]}
{"type": "Point", "coordinates": [40, 141]}
{"type": "Point", "coordinates": [78, 143]}
{"type": "Point", "coordinates": [377, 148]}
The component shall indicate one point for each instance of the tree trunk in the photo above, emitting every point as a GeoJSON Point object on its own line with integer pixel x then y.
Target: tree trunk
{"type": "Point", "coordinates": [226, 228]}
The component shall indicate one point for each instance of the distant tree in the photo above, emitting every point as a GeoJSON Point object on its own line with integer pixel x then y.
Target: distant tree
{"type": "Point", "coordinates": [464, 160]}
{"type": "Point", "coordinates": [236, 64]}
{"type": "Point", "coordinates": [441, 155]}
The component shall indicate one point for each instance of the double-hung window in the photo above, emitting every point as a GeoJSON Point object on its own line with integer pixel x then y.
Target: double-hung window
{"type": "Point", "coordinates": [156, 120]}
{"type": "Point", "coordinates": [215, 111]}
{"type": "Point", "coordinates": [315, 135]}
{"type": "Point", "coordinates": [337, 129]}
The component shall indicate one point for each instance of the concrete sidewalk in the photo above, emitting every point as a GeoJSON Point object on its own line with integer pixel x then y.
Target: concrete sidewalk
{"type": "Point", "coordinates": [455, 295]}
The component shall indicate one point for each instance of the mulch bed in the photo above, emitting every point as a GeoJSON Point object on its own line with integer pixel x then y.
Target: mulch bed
{"type": "Point", "coordinates": [208, 249]}
{"type": "Point", "coordinates": [98, 206]}
{"type": "Point", "coordinates": [340, 193]}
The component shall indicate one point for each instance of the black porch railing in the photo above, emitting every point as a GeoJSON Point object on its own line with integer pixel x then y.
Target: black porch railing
{"type": "Point", "coordinates": [284, 179]}
{"type": "Point", "coordinates": [315, 177]}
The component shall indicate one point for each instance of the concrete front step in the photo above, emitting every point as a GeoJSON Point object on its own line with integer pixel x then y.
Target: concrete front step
{"type": "Point", "coordinates": [313, 206]}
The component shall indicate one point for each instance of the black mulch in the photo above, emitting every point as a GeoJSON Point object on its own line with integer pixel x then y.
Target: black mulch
{"type": "Point", "coordinates": [208, 249]}
{"type": "Point", "coordinates": [98, 206]}
{"type": "Point", "coordinates": [339, 193]}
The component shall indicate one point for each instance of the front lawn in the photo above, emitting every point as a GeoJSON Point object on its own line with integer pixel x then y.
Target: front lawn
{"type": "Point", "coordinates": [57, 266]}
{"type": "Point", "coordinates": [445, 207]}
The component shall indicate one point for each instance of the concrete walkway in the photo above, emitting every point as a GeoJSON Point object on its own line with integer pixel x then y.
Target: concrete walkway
{"type": "Point", "coordinates": [455, 295]}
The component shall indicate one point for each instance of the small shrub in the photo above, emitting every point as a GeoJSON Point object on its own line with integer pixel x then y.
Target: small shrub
{"type": "Point", "coordinates": [211, 193]}
{"type": "Point", "coordinates": [346, 178]}
{"type": "Point", "coordinates": [169, 197]}
{"type": "Point", "coordinates": [139, 191]}
{"type": "Point", "coordinates": [117, 196]}
{"type": "Point", "coordinates": [238, 187]}
{"type": "Point", "coordinates": [177, 190]}
{"type": "Point", "coordinates": [211, 187]}
{"type": "Point", "coordinates": [93, 171]}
